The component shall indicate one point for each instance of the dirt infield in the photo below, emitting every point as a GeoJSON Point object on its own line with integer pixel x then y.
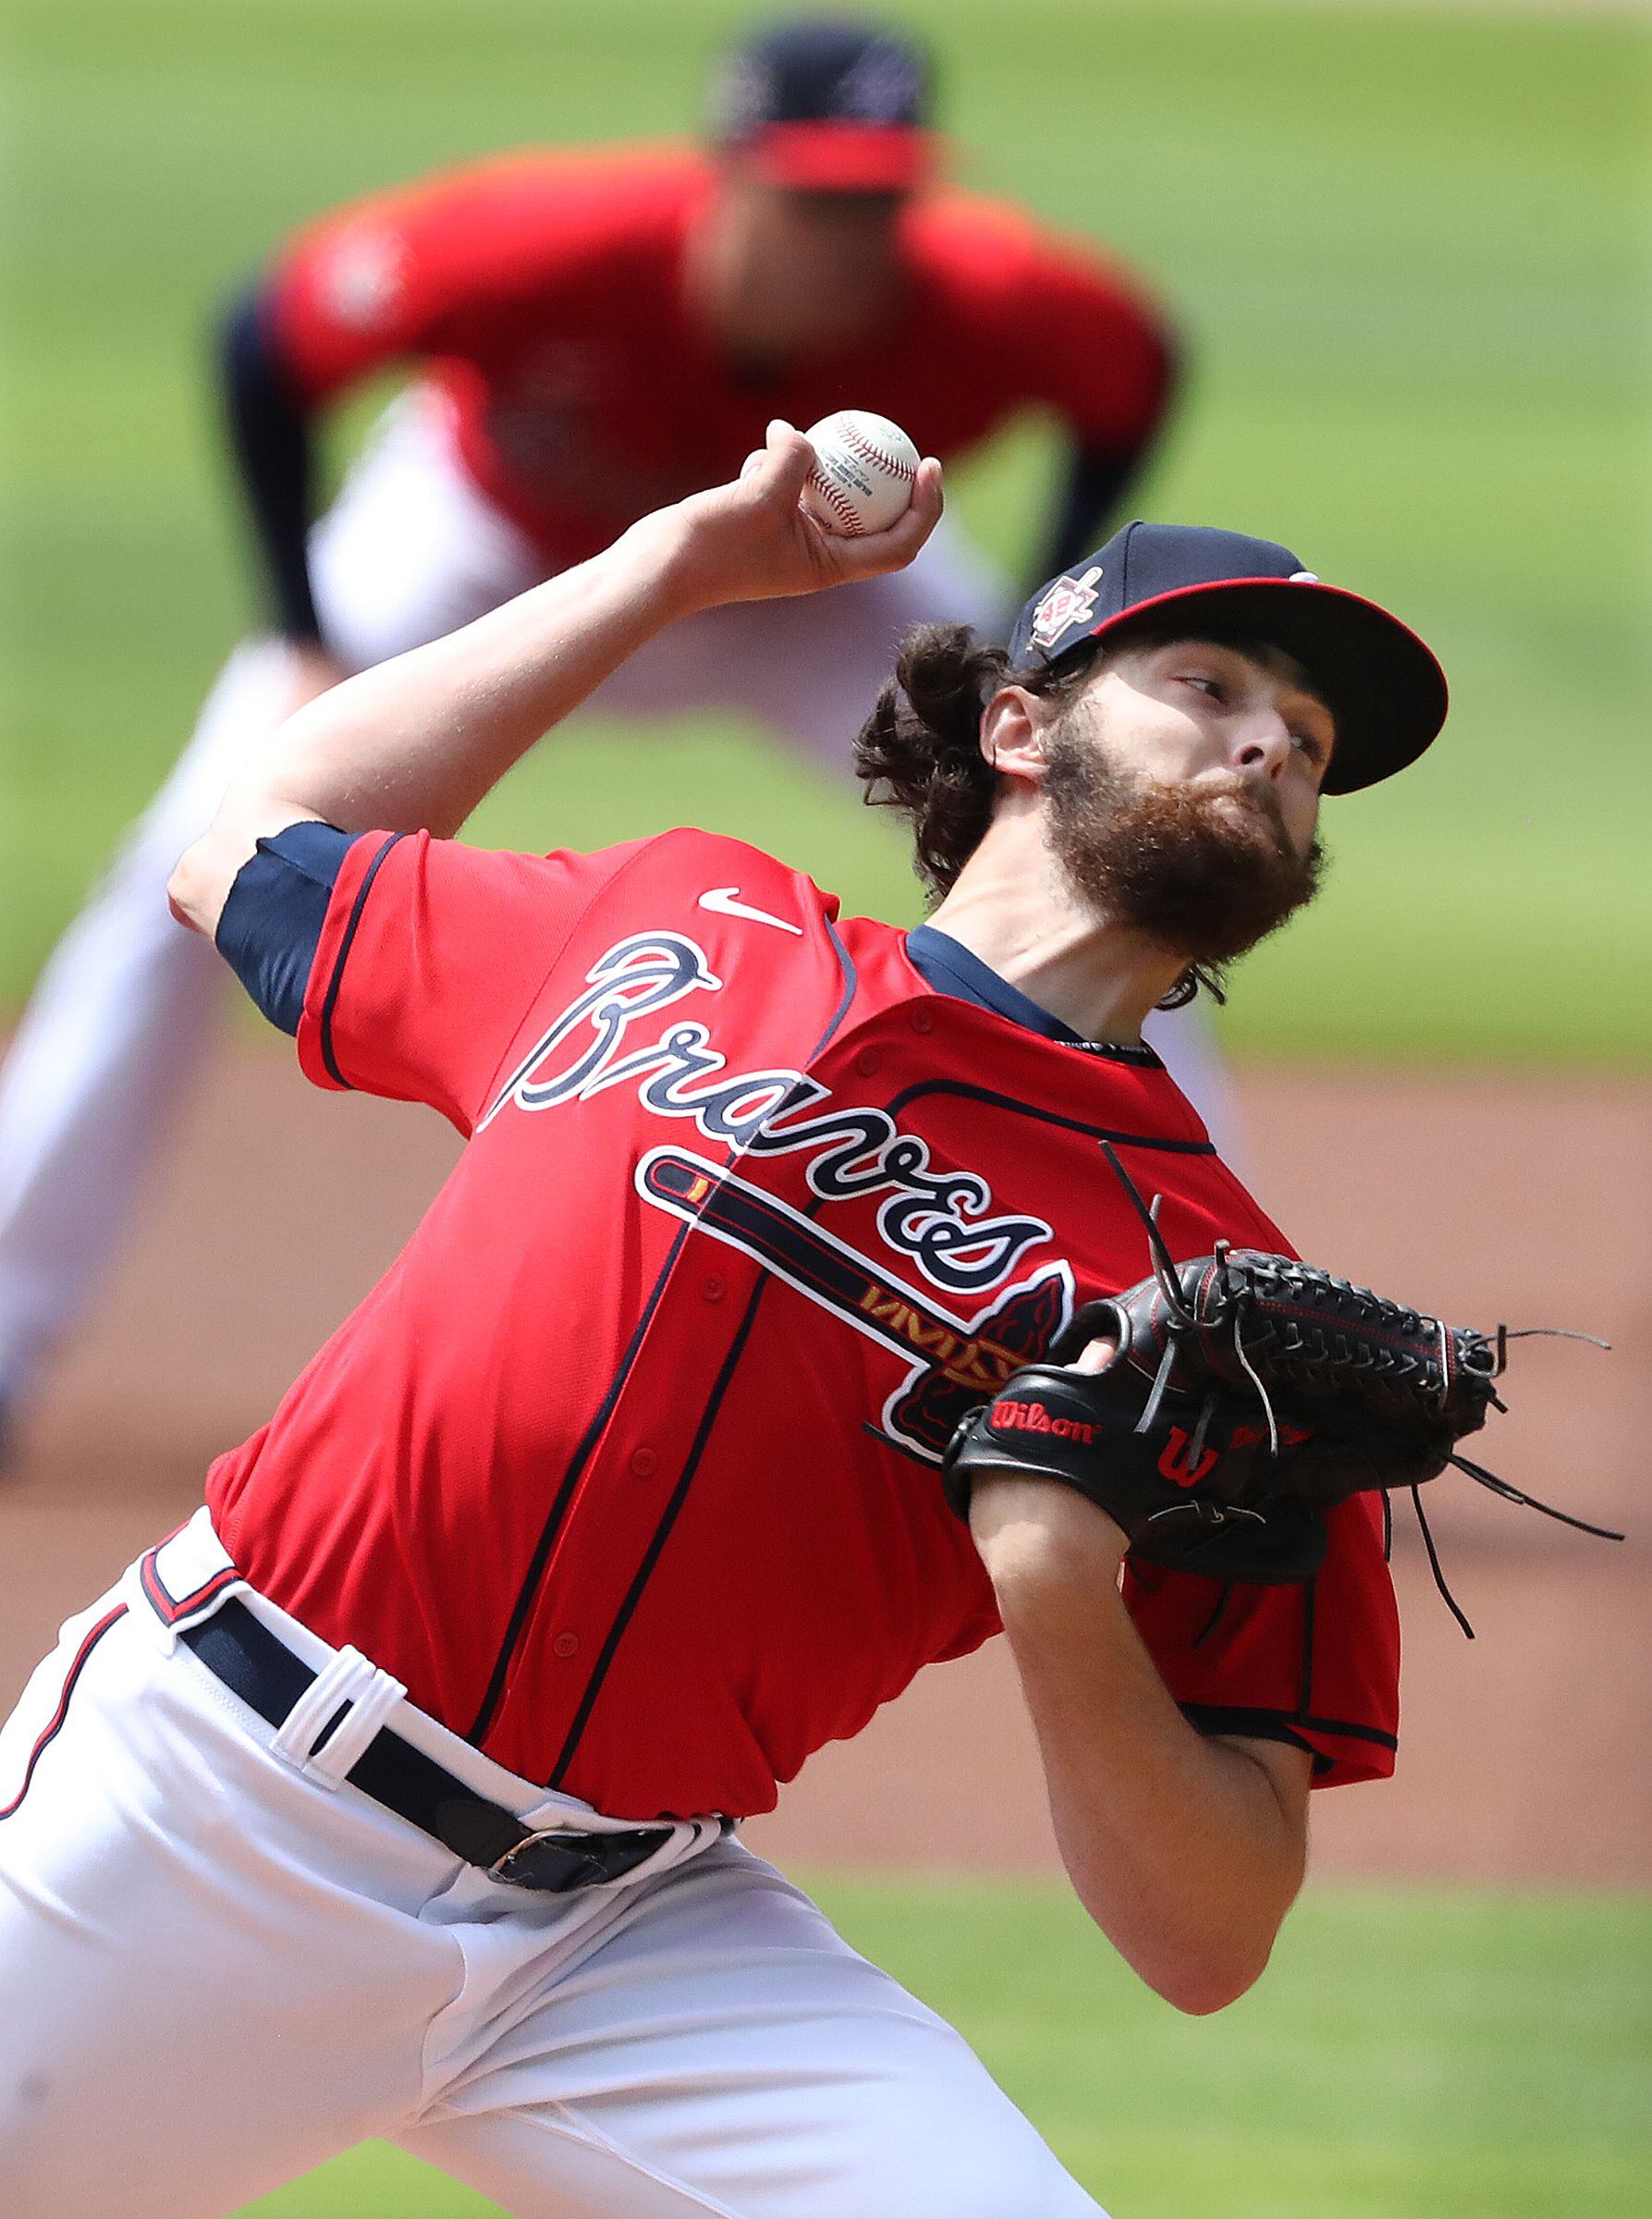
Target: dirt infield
{"type": "Point", "coordinates": [1527, 1755]}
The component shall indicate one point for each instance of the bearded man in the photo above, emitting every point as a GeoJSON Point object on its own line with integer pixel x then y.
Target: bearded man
{"type": "Point", "coordinates": [398, 1792]}
{"type": "Point", "coordinates": [1081, 800]}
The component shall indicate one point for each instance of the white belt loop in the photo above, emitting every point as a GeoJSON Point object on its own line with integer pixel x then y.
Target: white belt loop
{"type": "Point", "coordinates": [350, 1683]}
{"type": "Point", "coordinates": [186, 1579]}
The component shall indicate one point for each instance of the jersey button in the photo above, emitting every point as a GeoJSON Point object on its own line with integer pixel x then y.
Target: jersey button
{"type": "Point", "coordinates": [713, 1289]}
{"type": "Point", "coordinates": [866, 1062]}
{"type": "Point", "coordinates": [644, 1463]}
{"type": "Point", "coordinates": [922, 1021]}
{"type": "Point", "coordinates": [565, 1645]}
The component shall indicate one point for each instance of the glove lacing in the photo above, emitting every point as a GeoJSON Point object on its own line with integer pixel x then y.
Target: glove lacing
{"type": "Point", "coordinates": [1299, 1348]}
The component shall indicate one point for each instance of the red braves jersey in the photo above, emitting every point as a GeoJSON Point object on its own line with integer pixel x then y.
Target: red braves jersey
{"type": "Point", "coordinates": [628, 1466]}
{"type": "Point", "coordinates": [545, 294]}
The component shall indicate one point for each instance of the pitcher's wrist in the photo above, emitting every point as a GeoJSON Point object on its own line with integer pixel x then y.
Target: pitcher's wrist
{"type": "Point", "coordinates": [660, 558]}
{"type": "Point", "coordinates": [1032, 1532]}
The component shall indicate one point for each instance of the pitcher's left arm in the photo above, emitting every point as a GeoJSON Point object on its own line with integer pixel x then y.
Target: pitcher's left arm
{"type": "Point", "coordinates": [1186, 1848]}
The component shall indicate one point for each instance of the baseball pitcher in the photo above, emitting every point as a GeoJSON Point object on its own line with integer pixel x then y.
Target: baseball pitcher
{"type": "Point", "coordinates": [771, 1339]}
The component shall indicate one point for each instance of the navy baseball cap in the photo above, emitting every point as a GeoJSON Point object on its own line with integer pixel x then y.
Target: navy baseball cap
{"type": "Point", "coordinates": [826, 105]}
{"type": "Point", "coordinates": [1383, 686]}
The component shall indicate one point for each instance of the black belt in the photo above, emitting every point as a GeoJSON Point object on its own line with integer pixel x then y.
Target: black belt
{"type": "Point", "coordinates": [258, 1667]}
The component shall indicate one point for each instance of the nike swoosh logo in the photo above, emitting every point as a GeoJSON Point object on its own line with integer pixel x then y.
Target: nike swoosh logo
{"type": "Point", "coordinates": [726, 901]}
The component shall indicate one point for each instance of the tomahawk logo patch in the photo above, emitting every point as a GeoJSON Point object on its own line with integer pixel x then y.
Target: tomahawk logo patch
{"type": "Point", "coordinates": [949, 1363]}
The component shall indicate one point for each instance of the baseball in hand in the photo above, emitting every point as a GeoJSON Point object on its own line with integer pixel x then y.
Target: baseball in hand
{"type": "Point", "coordinates": [863, 476]}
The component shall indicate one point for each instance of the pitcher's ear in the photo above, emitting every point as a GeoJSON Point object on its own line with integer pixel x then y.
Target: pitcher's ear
{"type": "Point", "coordinates": [1013, 724]}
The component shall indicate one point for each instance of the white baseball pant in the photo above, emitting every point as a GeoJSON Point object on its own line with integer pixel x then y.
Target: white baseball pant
{"type": "Point", "coordinates": [124, 1010]}
{"type": "Point", "coordinates": [221, 1966]}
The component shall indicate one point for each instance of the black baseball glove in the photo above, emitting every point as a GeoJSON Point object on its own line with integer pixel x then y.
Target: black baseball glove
{"type": "Point", "coordinates": [1245, 1394]}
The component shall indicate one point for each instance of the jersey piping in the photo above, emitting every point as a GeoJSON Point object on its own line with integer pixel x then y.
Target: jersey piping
{"type": "Point", "coordinates": [1218, 1718]}
{"type": "Point", "coordinates": [1304, 1697]}
{"type": "Point", "coordinates": [970, 1092]}
{"type": "Point", "coordinates": [337, 981]}
{"type": "Point", "coordinates": [669, 1516]}
{"type": "Point", "coordinates": [528, 1592]}
{"type": "Point", "coordinates": [850, 982]}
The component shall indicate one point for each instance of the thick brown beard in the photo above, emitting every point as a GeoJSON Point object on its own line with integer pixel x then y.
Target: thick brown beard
{"type": "Point", "coordinates": [1199, 878]}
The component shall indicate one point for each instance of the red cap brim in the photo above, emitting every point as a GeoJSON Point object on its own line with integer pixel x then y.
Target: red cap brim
{"type": "Point", "coordinates": [840, 157]}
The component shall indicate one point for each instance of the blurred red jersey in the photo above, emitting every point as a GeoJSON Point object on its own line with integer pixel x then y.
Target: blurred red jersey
{"type": "Point", "coordinates": [543, 295]}
{"type": "Point", "coordinates": [629, 1468]}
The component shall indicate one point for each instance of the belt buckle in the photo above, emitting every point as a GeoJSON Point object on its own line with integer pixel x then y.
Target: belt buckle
{"type": "Point", "coordinates": [551, 1862]}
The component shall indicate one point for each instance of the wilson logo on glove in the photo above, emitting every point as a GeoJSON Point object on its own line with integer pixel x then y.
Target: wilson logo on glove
{"type": "Point", "coordinates": [1033, 1417]}
{"type": "Point", "coordinates": [1173, 1460]}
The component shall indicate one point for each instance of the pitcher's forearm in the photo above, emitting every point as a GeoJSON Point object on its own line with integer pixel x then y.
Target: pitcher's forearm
{"type": "Point", "coordinates": [1187, 1851]}
{"type": "Point", "coordinates": [416, 744]}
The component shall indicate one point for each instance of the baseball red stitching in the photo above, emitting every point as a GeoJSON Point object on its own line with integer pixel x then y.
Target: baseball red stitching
{"type": "Point", "coordinates": [868, 453]}
{"type": "Point", "coordinates": [839, 503]}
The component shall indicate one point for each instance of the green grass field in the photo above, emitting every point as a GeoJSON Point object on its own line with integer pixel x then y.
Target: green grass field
{"type": "Point", "coordinates": [1409, 247]}
{"type": "Point", "coordinates": [1404, 2054]}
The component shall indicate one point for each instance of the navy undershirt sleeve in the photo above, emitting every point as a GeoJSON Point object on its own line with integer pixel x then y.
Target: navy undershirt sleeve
{"type": "Point", "coordinates": [269, 436]}
{"type": "Point", "coordinates": [271, 925]}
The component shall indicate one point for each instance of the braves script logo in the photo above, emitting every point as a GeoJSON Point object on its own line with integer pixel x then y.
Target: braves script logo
{"type": "Point", "coordinates": [944, 1221]}
{"type": "Point", "coordinates": [675, 1075]}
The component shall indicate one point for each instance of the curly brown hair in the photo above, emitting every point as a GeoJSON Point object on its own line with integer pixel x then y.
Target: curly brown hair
{"type": "Point", "coordinates": [920, 750]}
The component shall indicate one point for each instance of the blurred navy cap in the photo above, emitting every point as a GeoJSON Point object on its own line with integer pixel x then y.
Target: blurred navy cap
{"type": "Point", "coordinates": [1384, 688]}
{"type": "Point", "coordinates": [826, 104]}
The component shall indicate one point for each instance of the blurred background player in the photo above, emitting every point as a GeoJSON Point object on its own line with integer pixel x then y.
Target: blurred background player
{"type": "Point", "coordinates": [590, 335]}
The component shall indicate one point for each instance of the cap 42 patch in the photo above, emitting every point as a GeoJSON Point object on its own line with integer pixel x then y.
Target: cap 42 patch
{"type": "Point", "coordinates": [1067, 602]}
